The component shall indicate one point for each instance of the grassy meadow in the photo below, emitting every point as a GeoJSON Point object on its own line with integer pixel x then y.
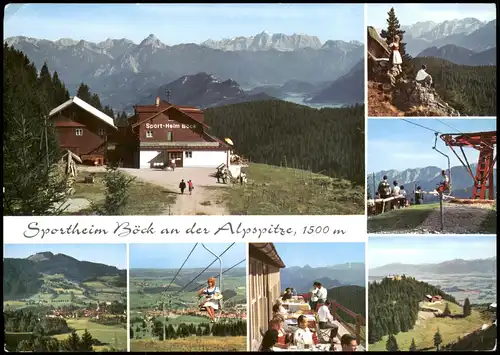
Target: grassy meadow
{"type": "Point", "coordinates": [273, 190]}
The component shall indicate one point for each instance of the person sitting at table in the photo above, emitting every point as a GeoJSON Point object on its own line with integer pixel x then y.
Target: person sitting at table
{"type": "Point", "coordinates": [284, 333]}
{"type": "Point", "coordinates": [318, 293]}
{"type": "Point", "coordinates": [279, 309]}
{"type": "Point", "coordinates": [348, 343]}
{"type": "Point", "coordinates": [303, 335]}
{"type": "Point", "coordinates": [293, 291]}
{"type": "Point", "coordinates": [326, 320]}
{"type": "Point", "coordinates": [269, 340]}
{"type": "Point", "coordinates": [287, 295]}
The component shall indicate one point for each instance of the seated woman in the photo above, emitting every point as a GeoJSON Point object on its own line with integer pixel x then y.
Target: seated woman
{"type": "Point", "coordinates": [303, 335]}
{"type": "Point", "coordinates": [284, 335]}
{"type": "Point", "coordinates": [444, 185]}
{"type": "Point", "coordinates": [279, 309]}
{"type": "Point", "coordinates": [269, 341]}
{"type": "Point", "coordinates": [212, 296]}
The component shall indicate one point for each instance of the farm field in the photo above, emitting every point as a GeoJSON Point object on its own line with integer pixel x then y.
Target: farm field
{"type": "Point", "coordinates": [202, 344]}
{"type": "Point", "coordinates": [114, 336]}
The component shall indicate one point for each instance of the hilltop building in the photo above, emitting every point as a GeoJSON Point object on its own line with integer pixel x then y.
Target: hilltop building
{"type": "Point", "coordinates": [158, 133]}
{"type": "Point", "coordinates": [83, 129]}
{"type": "Point", "coordinates": [430, 298]}
{"type": "Point", "coordinates": [264, 281]}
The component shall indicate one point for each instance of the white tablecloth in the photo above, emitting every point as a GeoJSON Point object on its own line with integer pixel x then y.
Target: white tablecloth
{"type": "Point", "coordinates": [318, 347]}
{"type": "Point", "coordinates": [294, 307]}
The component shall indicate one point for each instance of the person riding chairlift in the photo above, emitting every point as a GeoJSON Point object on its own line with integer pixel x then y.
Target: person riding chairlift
{"type": "Point", "coordinates": [212, 296]}
{"type": "Point", "coordinates": [444, 185]}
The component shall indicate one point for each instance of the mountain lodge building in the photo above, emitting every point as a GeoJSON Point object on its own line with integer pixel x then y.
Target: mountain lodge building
{"type": "Point", "coordinates": [264, 280]}
{"type": "Point", "coordinates": [83, 129]}
{"type": "Point", "coordinates": [159, 133]}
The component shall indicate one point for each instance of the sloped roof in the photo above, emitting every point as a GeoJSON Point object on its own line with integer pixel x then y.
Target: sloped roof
{"type": "Point", "coordinates": [171, 107]}
{"type": "Point", "coordinates": [266, 252]}
{"type": "Point", "coordinates": [89, 108]}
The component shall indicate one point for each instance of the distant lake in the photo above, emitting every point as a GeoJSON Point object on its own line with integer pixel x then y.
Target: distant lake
{"type": "Point", "coordinates": [300, 100]}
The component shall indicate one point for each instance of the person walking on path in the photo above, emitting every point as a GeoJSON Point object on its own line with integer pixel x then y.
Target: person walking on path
{"type": "Point", "coordinates": [190, 187]}
{"type": "Point", "coordinates": [182, 186]}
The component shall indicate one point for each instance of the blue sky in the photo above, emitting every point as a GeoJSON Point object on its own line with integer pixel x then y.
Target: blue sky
{"type": "Point", "coordinates": [109, 254]}
{"type": "Point", "coordinates": [182, 23]}
{"type": "Point", "coordinates": [320, 254]}
{"type": "Point", "coordinates": [432, 249]}
{"type": "Point", "coordinates": [171, 256]}
{"type": "Point", "coordinates": [409, 14]}
{"type": "Point", "coordinates": [396, 144]}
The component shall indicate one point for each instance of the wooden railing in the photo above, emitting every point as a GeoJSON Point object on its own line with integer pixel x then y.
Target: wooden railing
{"type": "Point", "coordinates": [359, 320]}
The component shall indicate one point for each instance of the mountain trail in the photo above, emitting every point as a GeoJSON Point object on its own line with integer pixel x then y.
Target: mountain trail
{"type": "Point", "coordinates": [203, 201]}
{"type": "Point", "coordinates": [458, 219]}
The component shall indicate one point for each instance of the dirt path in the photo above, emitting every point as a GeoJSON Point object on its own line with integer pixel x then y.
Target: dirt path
{"type": "Point", "coordinates": [203, 201]}
{"type": "Point", "coordinates": [458, 219]}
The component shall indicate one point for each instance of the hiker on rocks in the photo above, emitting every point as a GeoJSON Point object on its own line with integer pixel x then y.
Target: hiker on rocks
{"type": "Point", "coordinates": [396, 56]}
{"type": "Point", "coordinates": [182, 186]}
{"type": "Point", "coordinates": [423, 77]}
{"type": "Point", "coordinates": [384, 189]}
{"type": "Point", "coordinates": [190, 187]}
{"type": "Point", "coordinates": [419, 196]}
{"type": "Point", "coordinates": [172, 164]}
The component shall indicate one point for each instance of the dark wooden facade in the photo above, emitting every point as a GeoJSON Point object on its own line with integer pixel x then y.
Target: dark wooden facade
{"type": "Point", "coordinates": [81, 131]}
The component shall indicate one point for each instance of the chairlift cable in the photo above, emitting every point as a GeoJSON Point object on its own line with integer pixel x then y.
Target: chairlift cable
{"type": "Point", "coordinates": [215, 277]}
{"type": "Point", "coordinates": [419, 125]}
{"type": "Point", "coordinates": [201, 273]}
{"type": "Point", "coordinates": [178, 271]}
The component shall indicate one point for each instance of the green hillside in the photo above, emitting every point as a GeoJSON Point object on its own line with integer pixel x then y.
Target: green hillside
{"type": "Point", "coordinates": [274, 190]}
{"type": "Point", "coordinates": [329, 141]}
{"type": "Point", "coordinates": [401, 318]}
{"type": "Point", "coordinates": [351, 297]}
{"type": "Point", "coordinates": [472, 90]}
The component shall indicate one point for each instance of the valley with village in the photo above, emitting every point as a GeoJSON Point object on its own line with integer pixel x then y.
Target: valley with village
{"type": "Point", "coordinates": [443, 306]}
{"type": "Point", "coordinates": [54, 302]}
{"type": "Point", "coordinates": [166, 316]}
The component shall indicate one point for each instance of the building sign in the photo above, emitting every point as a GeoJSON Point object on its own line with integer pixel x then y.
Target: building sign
{"type": "Point", "coordinates": [170, 126]}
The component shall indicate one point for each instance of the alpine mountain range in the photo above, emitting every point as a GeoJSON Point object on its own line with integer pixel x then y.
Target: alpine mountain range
{"type": "Point", "coordinates": [467, 41]}
{"type": "Point", "coordinates": [212, 73]}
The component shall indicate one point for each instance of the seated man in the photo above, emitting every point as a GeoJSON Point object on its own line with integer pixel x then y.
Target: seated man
{"type": "Point", "coordinates": [423, 77]}
{"type": "Point", "coordinates": [326, 320]}
{"type": "Point", "coordinates": [303, 335]}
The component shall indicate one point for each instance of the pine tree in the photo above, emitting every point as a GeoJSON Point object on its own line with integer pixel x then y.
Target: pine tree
{"type": "Point", "coordinates": [84, 94]}
{"type": "Point", "coordinates": [73, 341]}
{"type": "Point", "coordinates": [393, 29]}
{"type": "Point", "coordinates": [86, 341]}
{"type": "Point", "coordinates": [33, 185]}
{"type": "Point", "coordinates": [447, 311]}
{"type": "Point", "coordinates": [116, 194]}
{"type": "Point", "coordinates": [467, 308]}
{"type": "Point", "coordinates": [413, 347]}
{"type": "Point", "coordinates": [392, 343]}
{"type": "Point", "coordinates": [437, 340]}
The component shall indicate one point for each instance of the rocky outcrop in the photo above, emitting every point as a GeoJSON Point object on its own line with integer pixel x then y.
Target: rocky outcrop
{"type": "Point", "coordinates": [405, 94]}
